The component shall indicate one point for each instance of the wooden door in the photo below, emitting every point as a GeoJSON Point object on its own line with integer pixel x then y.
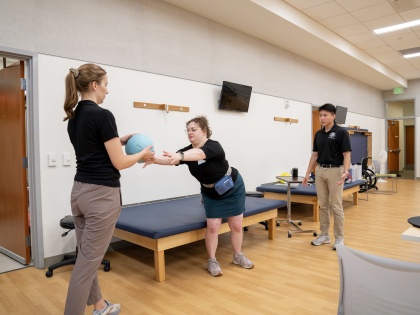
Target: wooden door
{"type": "Point", "coordinates": [14, 228]}
{"type": "Point", "coordinates": [316, 123]}
{"type": "Point", "coordinates": [409, 147]}
{"type": "Point", "coordinates": [393, 146]}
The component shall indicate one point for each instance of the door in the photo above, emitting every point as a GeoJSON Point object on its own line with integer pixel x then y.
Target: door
{"type": "Point", "coordinates": [409, 147]}
{"type": "Point", "coordinates": [14, 228]}
{"type": "Point", "coordinates": [316, 123]}
{"type": "Point", "coordinates": [393, 146]}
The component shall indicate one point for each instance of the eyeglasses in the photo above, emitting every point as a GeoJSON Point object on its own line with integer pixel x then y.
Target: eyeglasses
{"type": "Point", "coordinates": [187, 131]}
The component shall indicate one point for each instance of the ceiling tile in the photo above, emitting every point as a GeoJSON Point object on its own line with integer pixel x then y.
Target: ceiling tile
{"type": "Point", "coordinates": [414, 62]}
{"type": "Point", "coordinates": [406, 36]}
{"type": "Point", "coordinates": [351, 30]}
{"type": "Point", "coordinates": [399, 64]}
{"type": "Point", "coordinates": [371, 44]}
{"type": "Point", "coordinates": [305, 4]}
{"type": "Point", "coordinates": [403, 41]}
{"type": "Point", "coordinates": [379, 50]}
{"type": "Point", "coordinates": [404, 5]}
{"type": "Point", "coordinates": [324, 11]}
{"type": "Point", "coordinates": [385, 21]}
{"type": "Point", "coordinates": [339, 21]}
{"type": "Point", "coordinates": [362, 37]}
{"type": "Point", "coordinates": [374, 12]}
{"type": "Point", "coordinates": [405, 44]}
{"type": "Point", "coordinates": [354, 5]}
{"type": "Point", "coordinates": [389, 57]}
{"type": "Point", "coordinates": [411, 15]}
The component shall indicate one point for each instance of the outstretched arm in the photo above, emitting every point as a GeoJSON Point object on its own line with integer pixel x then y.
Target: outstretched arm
{"type": "Point", "coordinates": [121, 161]}
{"type": "Point", "coordinates": [174, 158]}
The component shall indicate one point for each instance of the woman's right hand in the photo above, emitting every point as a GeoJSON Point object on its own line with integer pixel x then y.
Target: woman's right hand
{"type": "Point", "coordinates": [148, 154]}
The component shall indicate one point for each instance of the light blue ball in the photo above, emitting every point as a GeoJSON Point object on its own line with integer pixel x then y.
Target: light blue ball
{"type": "Point", "coordinates": [137, 143]}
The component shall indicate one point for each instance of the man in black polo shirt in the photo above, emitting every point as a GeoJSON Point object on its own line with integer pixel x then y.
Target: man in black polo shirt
{"type": "Point", "coordinates": [331, 151]}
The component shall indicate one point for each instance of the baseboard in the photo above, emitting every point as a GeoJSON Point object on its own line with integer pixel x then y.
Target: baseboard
{"type": "Point", "coordinates": [116, 244]}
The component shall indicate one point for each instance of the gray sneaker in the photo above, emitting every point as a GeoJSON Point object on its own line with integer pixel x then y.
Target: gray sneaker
{"type": "Point", "coordinates": [338, 242]}
{"type": "Point", "coordinates": [241, 260]}
{"type": "Point", "coordinates": [322, 239]}
{"type": "Point", "coordinates": [110, 309]}
{"type": "Point", "coordinates": [214, 268]}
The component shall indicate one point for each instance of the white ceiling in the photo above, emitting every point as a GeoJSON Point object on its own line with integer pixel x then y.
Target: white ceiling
{"type": "Point", "coordinates": [337, 34]}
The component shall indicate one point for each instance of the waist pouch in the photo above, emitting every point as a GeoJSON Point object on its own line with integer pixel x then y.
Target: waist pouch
{"type": "Point", "coordinates": [224, 184]}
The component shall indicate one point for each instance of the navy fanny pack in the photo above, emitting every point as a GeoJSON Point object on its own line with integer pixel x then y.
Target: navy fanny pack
{"type": "Point", "coordinates": [224, 184]}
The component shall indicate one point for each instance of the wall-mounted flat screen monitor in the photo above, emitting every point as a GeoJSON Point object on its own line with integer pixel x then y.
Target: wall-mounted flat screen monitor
{"type": "Point", "coordinates": [235, 97]}
{"type": "Point", "coordinates": [340, 115]}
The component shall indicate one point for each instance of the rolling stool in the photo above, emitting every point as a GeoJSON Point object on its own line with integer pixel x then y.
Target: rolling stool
{"type": "Point", "coordinates": [68, 223]}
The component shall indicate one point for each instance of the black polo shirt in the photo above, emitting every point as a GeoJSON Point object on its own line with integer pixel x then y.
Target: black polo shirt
{"type": "Point", "coordinates": [210, 170]}
{"type": "Point", "coordinates": [331, 145]}
{"type": "Point", "coordinates": [90, 128]}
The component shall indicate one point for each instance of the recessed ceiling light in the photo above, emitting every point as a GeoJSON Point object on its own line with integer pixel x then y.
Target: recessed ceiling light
{"type": "Point", "coordinates": [397, 27]}
{"type": "Point", "coordinates": [412, 55]}
{"type": "Point", "coordinates": [411, 52]}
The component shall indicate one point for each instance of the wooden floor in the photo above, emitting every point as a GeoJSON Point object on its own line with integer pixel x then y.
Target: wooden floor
{"type": "Point", "coordinates": [290, 276]}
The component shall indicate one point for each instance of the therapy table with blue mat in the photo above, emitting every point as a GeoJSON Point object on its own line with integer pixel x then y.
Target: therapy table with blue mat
{"type": "Point", "coordinates": [170, 223]}
{"type": "Point", "coordinates": [306, 194]}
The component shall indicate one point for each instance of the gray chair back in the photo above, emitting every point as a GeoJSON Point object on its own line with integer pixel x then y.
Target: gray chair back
{"type": "Point", "coordinates": [372, 285]}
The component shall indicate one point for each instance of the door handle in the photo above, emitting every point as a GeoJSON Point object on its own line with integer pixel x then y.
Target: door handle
{"type": "Point", "coordinates": [396, 150]}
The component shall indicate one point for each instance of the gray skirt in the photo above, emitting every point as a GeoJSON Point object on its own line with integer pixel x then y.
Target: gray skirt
{"type": "Point", "coordinates": [229, 205]}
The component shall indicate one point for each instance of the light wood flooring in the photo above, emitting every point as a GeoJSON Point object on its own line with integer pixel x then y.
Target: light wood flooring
{"type": "Point", "coordinates": [290, 276]}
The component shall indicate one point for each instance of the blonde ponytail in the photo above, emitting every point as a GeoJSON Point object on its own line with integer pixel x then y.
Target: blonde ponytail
{"type": "Point", "coordinates": [71, 95]}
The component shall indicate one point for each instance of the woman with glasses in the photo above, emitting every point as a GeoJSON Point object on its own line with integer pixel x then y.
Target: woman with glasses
{"type": "Point", "coordinates": [222, 189]}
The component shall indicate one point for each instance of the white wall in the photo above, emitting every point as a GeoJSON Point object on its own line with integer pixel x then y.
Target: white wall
{"type": "Point", "coordinates": [258, 146]}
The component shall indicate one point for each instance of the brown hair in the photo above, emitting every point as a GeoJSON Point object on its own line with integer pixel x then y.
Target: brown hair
{"type": "Point", "coordinates": [202, 122]}
{"type": "Point", "coordinates": [78, 80]}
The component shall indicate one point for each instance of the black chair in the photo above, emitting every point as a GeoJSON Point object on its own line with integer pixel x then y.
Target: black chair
{"type": "Point", "coordinates": [68, 224]}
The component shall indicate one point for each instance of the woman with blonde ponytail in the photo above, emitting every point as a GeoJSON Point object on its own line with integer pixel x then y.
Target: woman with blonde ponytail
{"type": "Point", "coordinates": [95, 196]}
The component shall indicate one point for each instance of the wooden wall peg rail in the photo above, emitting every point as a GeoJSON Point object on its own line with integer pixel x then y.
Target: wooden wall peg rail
{"type": "Point", "coordinates": [289, 120]}
{"type": "Point", "coordinates": [166, 107]}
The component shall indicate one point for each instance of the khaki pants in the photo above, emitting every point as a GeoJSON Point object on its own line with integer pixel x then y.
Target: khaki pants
{"type": "Point", "coordinates": [330, 198]}
{"type": "Point", "coordinates": [95, 209]}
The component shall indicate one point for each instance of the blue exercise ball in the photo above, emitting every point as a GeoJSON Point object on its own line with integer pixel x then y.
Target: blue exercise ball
{"type": "Point", "coordinates": [137, 143]}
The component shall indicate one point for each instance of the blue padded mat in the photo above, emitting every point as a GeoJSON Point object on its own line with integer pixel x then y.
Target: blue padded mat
{"type": "Point", "coordinates": [170, 217]}
{"type": "Point", "coordinates": [300, 190]}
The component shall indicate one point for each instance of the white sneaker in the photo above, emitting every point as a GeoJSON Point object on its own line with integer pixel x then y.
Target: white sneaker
{"type": "Point", "coordinates": [243, 261]}
{"type": "Point", "coordinates": [213, 267]}
{"type": "Point", "coordinates": [110, 309]}
{"type": "Point", "coordinates": [338, 242]}
{"type": "Point", "coordinates": [322, 239]}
